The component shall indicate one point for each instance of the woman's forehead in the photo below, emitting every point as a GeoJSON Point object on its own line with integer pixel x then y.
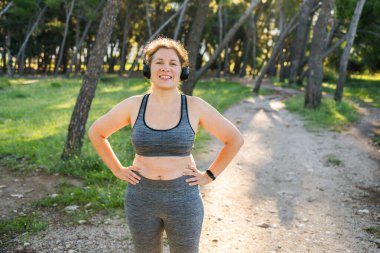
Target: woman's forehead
{"type": "Point", "coordinates": [166, 54]}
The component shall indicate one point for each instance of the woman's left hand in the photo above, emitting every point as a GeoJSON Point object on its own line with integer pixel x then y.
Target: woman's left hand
{"type": "Point", "coordinates": [199, 177]}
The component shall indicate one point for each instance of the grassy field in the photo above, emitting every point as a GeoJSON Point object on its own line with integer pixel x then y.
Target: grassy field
{"type": "Point", "coordinates": [358, 91]}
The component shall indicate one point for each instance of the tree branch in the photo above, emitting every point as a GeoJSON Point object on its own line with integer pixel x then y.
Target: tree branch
{"type": "Point", "coordinates": [6, 8]}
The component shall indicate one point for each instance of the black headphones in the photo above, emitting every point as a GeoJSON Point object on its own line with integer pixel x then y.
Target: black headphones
{"type": "Point", "coordinates": [184, 73]}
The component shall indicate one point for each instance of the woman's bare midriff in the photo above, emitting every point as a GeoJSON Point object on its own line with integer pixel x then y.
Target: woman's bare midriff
{"type": "Point", "coordinates": [163, 167]}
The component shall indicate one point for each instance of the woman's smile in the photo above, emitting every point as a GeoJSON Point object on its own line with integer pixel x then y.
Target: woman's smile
{"type": "Point", "coordinates": [165, 77]}
{"type": "Point", "coordinates": [165, 67]}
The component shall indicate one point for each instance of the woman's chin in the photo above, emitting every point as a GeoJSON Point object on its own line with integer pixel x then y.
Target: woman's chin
{"type": "Point", "coordinates": [166, 84]}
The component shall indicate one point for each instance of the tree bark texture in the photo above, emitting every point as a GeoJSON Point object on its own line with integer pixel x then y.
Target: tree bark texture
{"type": "Point", "coordinates": [79, 116]}
{"type": "Point", "coordinates": [190, 84]}
{"type": "Point", "coordinates": [124, 43]}
{"type": "Point", "coordinates": [193, 42]}
{"type": "Point", "coordinates": [31, 30]}
{"type": "Point", "coordinates": [78, 45]}
{"type": "Point", "coordinates": [346, 52]}
{"type": "Point", "coordinates": [180, 21]}
{"type": "Point", "coordinates": [6, 8]}
{"type": "Point", "coordinates": [313, 92]}
{"type": "Point", "coordinates": [301, 38]}
{"type": "Point", "coordinates": [279, 44]}
{"type": "Point", "coordinates": [62, 47]}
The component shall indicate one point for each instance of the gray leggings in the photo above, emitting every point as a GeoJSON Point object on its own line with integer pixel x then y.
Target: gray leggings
{"type": "Point", "coordinates": [154, 205]}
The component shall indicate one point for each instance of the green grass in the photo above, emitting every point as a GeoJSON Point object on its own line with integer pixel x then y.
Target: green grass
{"type": "Point", "coordinates": [94, 197]}
{"type": "Point", "coordinates": [362, 91]}
{"type": "Point", "coordinates": [332, 160]}
{"type": "Point", "coordinates": [330, 115]}
{"type": "Point", "coordinates": [375, 230]}
{"type": "Point", "coordinates": [24, 224]}
{"type": "Point", "coordinates": [276, 82]}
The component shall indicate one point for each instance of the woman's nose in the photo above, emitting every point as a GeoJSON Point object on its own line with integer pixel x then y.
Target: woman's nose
{"type": "Point", "coordinates": [164, 68]}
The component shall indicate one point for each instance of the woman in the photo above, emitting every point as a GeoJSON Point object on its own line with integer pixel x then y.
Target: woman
{"type": "Point", "coordinates": [163, 191]}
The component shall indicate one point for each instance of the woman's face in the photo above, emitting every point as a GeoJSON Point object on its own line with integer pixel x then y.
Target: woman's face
{"type": "Point", "coordinates": [165, 68]}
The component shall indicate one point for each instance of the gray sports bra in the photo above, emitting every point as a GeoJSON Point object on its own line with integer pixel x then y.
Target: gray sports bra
{"type": "Point", "coordinates": [176, 141]}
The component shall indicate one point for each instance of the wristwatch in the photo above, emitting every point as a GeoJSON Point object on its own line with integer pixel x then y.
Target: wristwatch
{"type": "Point", "coordinates": [210, 174]}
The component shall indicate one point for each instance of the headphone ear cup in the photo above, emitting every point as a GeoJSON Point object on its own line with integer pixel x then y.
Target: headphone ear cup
{"type": "Point", "coordinates": [146, 70]}
{"type": "Point", "coordinates": [185, 73]}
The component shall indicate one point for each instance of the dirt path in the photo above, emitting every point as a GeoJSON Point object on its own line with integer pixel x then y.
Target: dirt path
{"type": "Point", "coordinates": [278, 195]}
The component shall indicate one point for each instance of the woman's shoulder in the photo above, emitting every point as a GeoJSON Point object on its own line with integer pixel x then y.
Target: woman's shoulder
{"type": "Point", "coordinates": [133, 100]}
{"type": "Point", "coordinates": [130, 103]}
{"type": "Point", "coordinates": [197, 101]}
{"type": "Point", "coordinates": [199, 104]}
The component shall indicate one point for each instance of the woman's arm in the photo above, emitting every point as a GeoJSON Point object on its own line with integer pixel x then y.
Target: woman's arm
{"type": "Point", "coordinates": [225, 131]}
{"type": "Point", "coordinates": [102, 128]}
{"type": "Point", "coordinates": [215, 123]}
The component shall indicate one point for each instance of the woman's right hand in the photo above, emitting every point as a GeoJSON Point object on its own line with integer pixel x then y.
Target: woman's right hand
{"type": "Point", "coordinates": [128, 174]}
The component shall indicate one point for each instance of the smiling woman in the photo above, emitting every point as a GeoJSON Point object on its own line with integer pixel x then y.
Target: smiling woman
{"type": "Point", "coordinates": [166, 57]}
{"type": "Point", "coordinates": [164, 182]}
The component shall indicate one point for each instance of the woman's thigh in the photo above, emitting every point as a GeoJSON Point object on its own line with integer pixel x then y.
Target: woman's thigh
{"type": "Point", "coordinates": [145, 226]}
{"type": "Point", "coordinates": [183, 223]}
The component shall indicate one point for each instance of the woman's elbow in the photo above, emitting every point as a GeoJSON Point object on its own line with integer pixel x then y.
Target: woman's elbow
{"type": "Point", "coordinates": [236, 140]}
{"type": "Point", "coordinates": [92, 132]}
{"type": "Point", "coordinates": [240, 140]}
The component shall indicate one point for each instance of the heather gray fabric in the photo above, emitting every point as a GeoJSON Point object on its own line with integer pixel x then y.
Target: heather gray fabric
{"type": "Point", "coordinates": [154, 205]}
{"type": "Point", "coordinates": [176, 141]}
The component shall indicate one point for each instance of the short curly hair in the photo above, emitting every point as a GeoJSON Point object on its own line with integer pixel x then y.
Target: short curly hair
{"type": "Point", "coordinates": [163, 42]}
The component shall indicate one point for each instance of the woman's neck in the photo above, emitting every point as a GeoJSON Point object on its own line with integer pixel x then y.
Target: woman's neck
{"type": "Point", "coordinates": [165, 96]}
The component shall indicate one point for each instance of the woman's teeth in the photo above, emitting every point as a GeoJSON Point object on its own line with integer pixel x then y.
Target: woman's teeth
{"type": "Point", "coordinates": [165, 77]}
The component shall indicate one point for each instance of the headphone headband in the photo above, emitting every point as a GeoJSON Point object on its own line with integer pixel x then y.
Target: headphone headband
{"type": "Point", "coordinates": [184, 73]}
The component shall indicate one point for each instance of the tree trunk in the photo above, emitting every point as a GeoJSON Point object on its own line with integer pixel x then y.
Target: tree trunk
{"type": "Point", "coordinates": [326, 53]}
{"type": "Point", "coordinates": [313, 92]}
{"type": "Point", "coordinates": [123, 42]}
{"type": "Point", "coordinates": [220, 21]}
{"type": "Point", "coordinates": [135, 61]}
{"type": "Point", "coordinates": [180, 21]}
{"type": "Point", "coordinates": [246, 43]}
{"type": "Point", "coordinates": [194, 40]}
{"type": "Point", "coordinates": [31, 30]}
{"type": "Point", "coordinates": [226, 63]}
{"type": "Point", "coordinates": [237, 59]}
{"type": "Point", "coordinates": [78, 64]}
{"type": "Point", "coordinates": [62, 47]}
{"type": "Point", "coordinates": [77, 38]}
{"type": "Point", "coordinates": [79, 43]}
{"type": "Point", "coordinates": [6, 8]}
{"type": "Point", "coordinates": [279, 44]}
{"type": "Point", "coordinates": [227, 49]}
{"type": "Point", "coordinates": [346, 53]}
{"type": "Point", "coordinates": [4, 58]}
{"type": "Point", "coordinates": [111, 59]}
{"type": "Point", "coordinates": [254, 42]}
{"type": "Point", "coordinates": [21, 63]}
{"type": "Point", "coordinates": [190, 84]}
{"type": "Point", "coordinates": [301, 38]}
{"type": "Point", "coordinates": [79, 116]}
{"type": "Point", "coordinates": [9, 56]}
{"type": "Point", "coordinates": [281, 26]}
{"type": "Point", "coordinates": [283, 68]}
{"type": "Point", "coordinates": [147, 15]}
